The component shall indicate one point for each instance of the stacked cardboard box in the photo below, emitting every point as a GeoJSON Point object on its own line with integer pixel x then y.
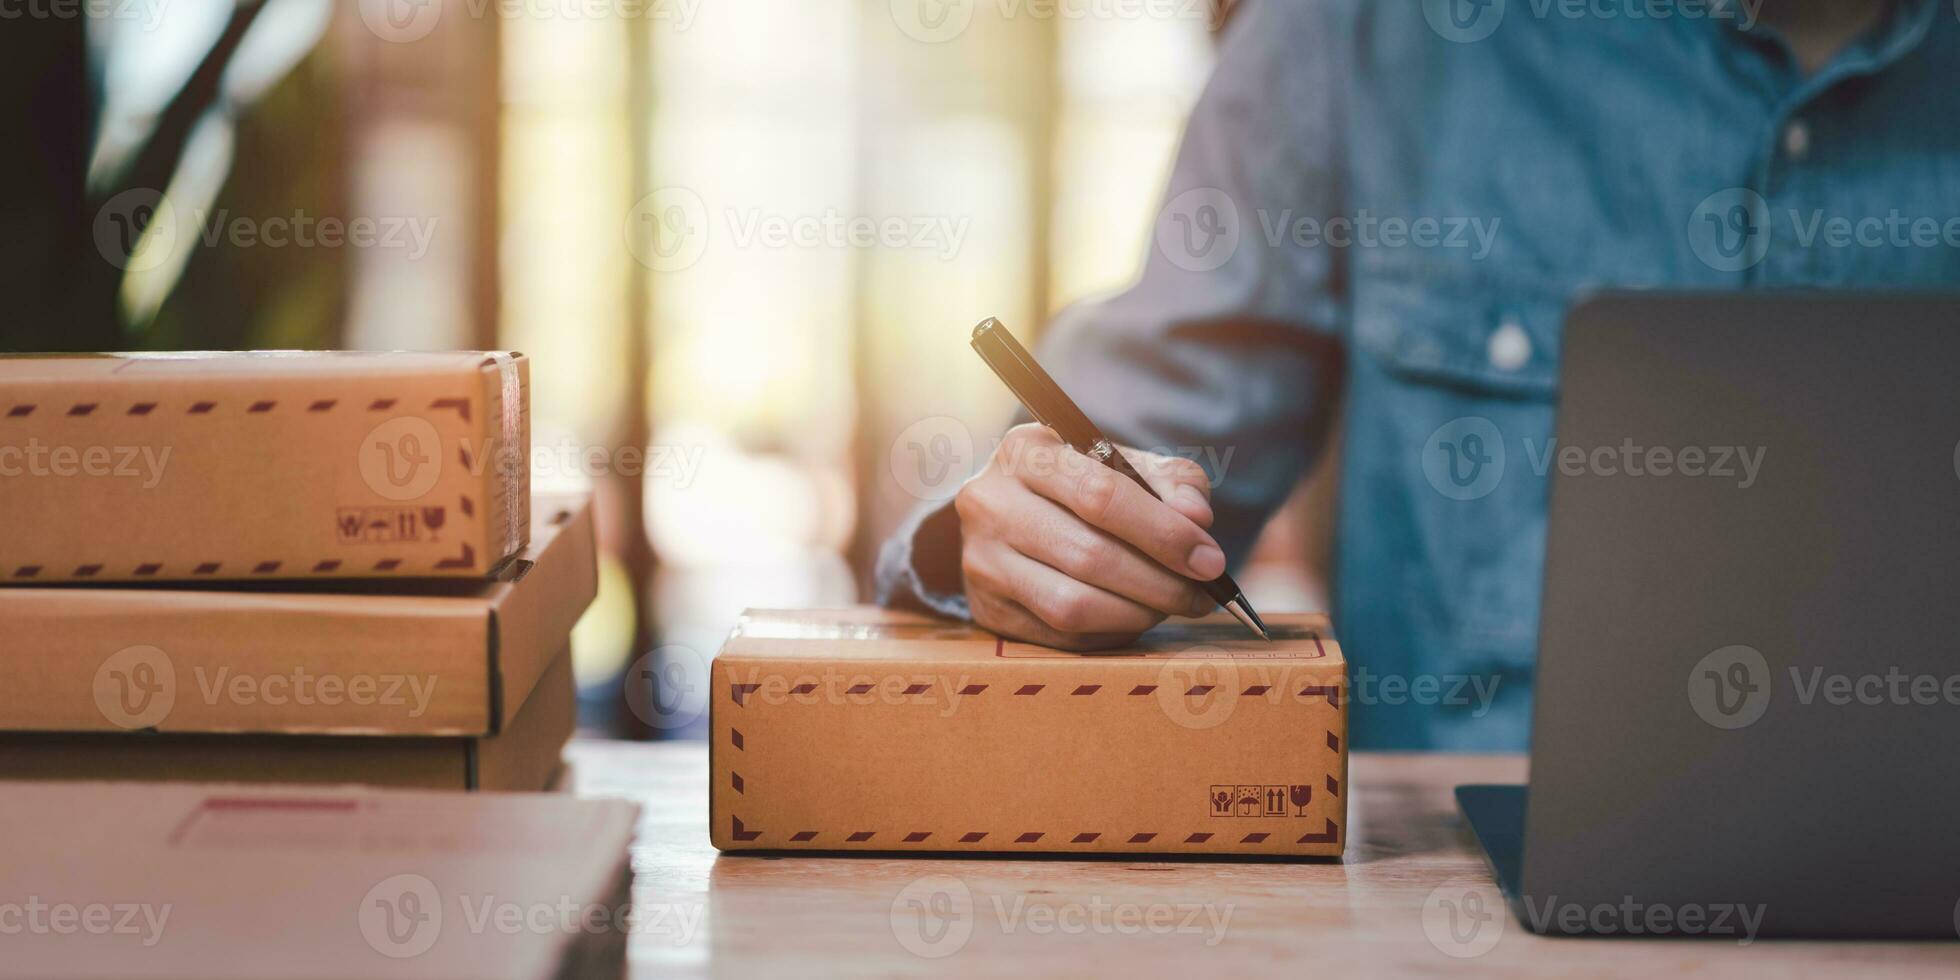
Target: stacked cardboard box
{"type": "Point", "coordinates": [283, 567]}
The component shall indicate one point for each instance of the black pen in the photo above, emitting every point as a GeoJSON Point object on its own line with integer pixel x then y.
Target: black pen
{"type": "Point", "coordinates": [1045, 400]}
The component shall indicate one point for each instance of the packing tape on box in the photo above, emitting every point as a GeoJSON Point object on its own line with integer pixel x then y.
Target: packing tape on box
{"type": "Point", "coordinates": [509, 471]}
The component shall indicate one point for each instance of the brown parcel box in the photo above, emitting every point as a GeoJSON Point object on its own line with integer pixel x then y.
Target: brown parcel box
{"type": "Point", "coordinates": [870, 730]}
{"type": "Point", "coordinates": [525, 756]}
{"type": "Point", "coordinates": [397, 657]}
{"type": "Point", "coordinates": [225, 882]}
{"type": "Point", "coordinates": [156, 467]}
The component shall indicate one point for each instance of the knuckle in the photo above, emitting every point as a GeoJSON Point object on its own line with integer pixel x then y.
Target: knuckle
{"type": "Point", "coordinates": [971, 501]}
{"type": "Point", "coordinates": [1096, 494]}
{"type": "Point", "coordinates": [1068, 611]}
{"type": "Point", "coordinates": [1081, 555]}
{"type": "Point", "coordinates": [977, 571]}
{"type": "Point", "coordinates": [971, 572]}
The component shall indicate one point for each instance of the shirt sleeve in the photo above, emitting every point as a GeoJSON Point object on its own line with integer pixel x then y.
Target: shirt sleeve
{"type": "Point", "coordinates": [1226, 350]}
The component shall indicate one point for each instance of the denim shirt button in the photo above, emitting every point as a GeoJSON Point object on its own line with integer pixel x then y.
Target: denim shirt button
{"type": "Point", "coordinates": [1796, 140]}
{"type": "Point", "coordinates": [1510, 346]}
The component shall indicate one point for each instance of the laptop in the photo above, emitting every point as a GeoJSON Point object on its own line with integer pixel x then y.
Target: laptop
{"type": "Point", "coordinates": [1748, 693]}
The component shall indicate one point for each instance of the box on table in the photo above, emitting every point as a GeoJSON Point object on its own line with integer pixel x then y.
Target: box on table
{"type": "Point", "coordinates": [268, 465]}
{"type": "Point", "coordinates": [524, 757]}
{"type": "Point", "coordinates": [389, 658]}
{"type": "Point", "coordinates": [865, 729]}
{"type": "Point", "coordinates": [221, 882]}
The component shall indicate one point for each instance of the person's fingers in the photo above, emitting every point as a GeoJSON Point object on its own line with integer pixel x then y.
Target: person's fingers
{"type": "Point", "coordinates": [1064, 604]}
{"type": "Point", "coordinates": [1051, 535]}
{"type": "Point", "coordinates": [1008, 618]}
{"type": "Point", "coordinates": [1112, 502]}
{"type": "Point", "coordinates": [1181, 482]}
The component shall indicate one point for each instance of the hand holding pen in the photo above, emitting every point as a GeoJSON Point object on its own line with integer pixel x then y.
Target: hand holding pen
{"type": "Point", "coordinates": [1066, 543]}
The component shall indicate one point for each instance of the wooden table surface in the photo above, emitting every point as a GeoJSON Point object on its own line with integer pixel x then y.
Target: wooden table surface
{"type": "Point", "coordinates": [703, 914]}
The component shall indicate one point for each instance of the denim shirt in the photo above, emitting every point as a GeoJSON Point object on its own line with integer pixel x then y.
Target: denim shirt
{"type": "Point", "coordinates": [1380, 214]}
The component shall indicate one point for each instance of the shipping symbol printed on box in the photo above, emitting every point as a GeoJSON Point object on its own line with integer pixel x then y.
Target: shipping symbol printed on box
{"type": "Point", "coordinates": [865, 729]}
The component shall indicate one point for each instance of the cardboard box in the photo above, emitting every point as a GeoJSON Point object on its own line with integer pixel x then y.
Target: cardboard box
{"type": "Point", "coordinates": [389, 658]}
{"type": "Point", "coordinates": [270, 465]}
{"type": "Point", "coordinates": [870, 730]}
{"type": "Point", "coordinates": [180, 880]}
{"type": "Point", "coordinates": [525, 756]}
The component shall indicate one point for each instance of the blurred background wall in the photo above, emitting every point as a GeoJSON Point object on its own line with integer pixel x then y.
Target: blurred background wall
{"type": "Point", "coordinates": [743, 241]}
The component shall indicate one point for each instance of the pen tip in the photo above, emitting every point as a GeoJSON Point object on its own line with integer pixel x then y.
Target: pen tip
{"type": "Point", "coordinates": [980, 330]}
{"type": "Point", "coordinates": [1242, 611]}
